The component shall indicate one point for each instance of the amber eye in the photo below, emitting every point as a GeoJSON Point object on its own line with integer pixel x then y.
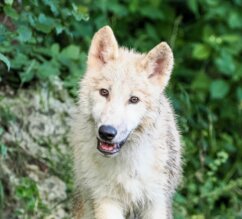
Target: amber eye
{"type": "Point", "coordinates": [104, 92]}
{"type": "Point", "coordinates": [134, 99]}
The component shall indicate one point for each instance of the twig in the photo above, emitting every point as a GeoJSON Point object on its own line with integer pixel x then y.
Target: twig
{"type": "Point", "coordinates": [175, 30]}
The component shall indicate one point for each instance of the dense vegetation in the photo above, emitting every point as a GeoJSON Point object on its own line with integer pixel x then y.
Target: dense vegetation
{"type": "Point", "coordinates": [42, 39]}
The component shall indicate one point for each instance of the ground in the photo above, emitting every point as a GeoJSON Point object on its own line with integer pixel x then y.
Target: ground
{"type": "Point", "coordinates": [35, 164]}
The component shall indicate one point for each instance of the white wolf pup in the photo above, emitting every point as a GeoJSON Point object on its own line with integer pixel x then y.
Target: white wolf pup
{"type": "Point", "coordinates": [126, 147]}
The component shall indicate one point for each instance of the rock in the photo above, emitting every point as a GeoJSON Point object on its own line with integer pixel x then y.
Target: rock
{"type": "Point", "coordinates": [35, 137]}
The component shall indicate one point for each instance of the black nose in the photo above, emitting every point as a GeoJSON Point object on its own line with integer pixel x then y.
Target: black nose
{"type": "Point", "coordinates": [107, 132]}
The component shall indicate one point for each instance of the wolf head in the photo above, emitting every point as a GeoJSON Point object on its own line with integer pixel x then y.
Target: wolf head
{"type": "Point", "coordinates": [122, 88]}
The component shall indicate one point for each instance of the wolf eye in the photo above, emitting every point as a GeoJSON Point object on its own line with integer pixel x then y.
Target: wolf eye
{"type": "Point", "coordinates": [133, 99]}
{"type": "Point", "coordinates": [104, 92]}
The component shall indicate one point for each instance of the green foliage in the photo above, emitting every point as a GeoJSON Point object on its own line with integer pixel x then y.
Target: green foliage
{"type": "Point", "coordinates": [36, 37]}
{"type": "Point", "coordinates": [5, 117]}
{"type": "Point", "coordinates": [1, 199]}
{"type": "Point", "coordinates": [28, 196]}
{"type": "Point", "coordinates": [5, 60]}
{"type": "Point", "coordinates": [44, 38]}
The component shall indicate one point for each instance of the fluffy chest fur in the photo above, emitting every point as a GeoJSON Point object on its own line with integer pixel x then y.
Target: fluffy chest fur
{"type": "Point", "coordinates": [133, 177]}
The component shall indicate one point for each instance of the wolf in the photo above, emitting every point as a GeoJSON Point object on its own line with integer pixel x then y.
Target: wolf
{"type": "Point", "coordinates": [126, 145]}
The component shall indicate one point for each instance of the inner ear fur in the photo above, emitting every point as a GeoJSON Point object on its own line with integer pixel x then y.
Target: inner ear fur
{"type": "Point", "coordinates": [103, 49]}
{"type": "Point", "coordinates": [158, 64]}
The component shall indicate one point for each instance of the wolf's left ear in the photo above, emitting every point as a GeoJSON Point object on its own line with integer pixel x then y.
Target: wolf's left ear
{"type": "Point", "coordinates": [104, 48]}
{"type": "Point", "coordinates": [158, 63]}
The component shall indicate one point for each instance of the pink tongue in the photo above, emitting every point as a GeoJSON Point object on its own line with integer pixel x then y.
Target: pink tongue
{"type": "Point", "coordinates": [107, 147]}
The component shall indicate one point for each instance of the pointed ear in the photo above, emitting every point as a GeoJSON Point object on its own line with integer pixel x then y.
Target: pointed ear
{"type": "Point", "coordinates": [104, 48]}
{"type": "Point", "coordinates": [158, 63]}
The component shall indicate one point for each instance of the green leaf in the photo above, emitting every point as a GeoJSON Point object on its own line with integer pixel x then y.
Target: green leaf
{"type": "Point", "coordinates": [219, 89]}
{"type": "Point", "coordinates": [208, 31]}
{"type": "Point", "coordinates": [234, 20]}
{"type": "Point", "coordinates": [5, 60]}
{"type": "Point", "coordinates": [54, 6]}
{"type": "Point", "coordinates": [29, 73]}
{"type": "Point", "coordinates": [1, 129]}
{"type": "Point", "coordinates": [1, 197]}
{"type": "Point", "coordinates": [201, 82]}
{"type": "Point", "coordinates": [47, 70]}
{"type": "Point", "coordinates": [26, 76]}
{"type": "Point", "coordinates": [55, 50]}
{"type": "Point", "coordinates": [151, 31]}
{"type": "Point", "coordinates": [117, 9]}
{"type": "Point", "coordinates": [80, 12]}
{"type": "Point", "coordinates": [11, 12]}
{"type": "Point", "coordinates": [198, 216]}
{"type": "Point", "coordinates": [225, 63]}
{"type": "Point", "coordinates": [71, 52]}
{"type": "Point", "coordinates": [44, 24]}
{"type": "Point", "coordinates": [151, 12]}
{"type": "Point", "coordinates": [8, 2]}
{"type": "Point", "coordinates": [25, 33]}
{"type": "Point", "coordinates": [239, 93]}
{"type": "Point", "coordinates": [201, 51]}
{"type": "Point", "coordinates": [193, 6]}
{"type": "Point", "coordinates": [3, 150]}
{"type": "Point", "coordinates": [20, 60]}
{"type": "Point", "coordinates": [231, 38]}
{"type": "Point", "coordinates": [134, 5]}
{"type": "Point", "coordinates": [59, 29]}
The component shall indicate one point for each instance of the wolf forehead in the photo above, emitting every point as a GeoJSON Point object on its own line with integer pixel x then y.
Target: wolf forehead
{"type": "Point", "coordinates": [107, 59]}
{"type": "Point", "coordinates": [123, 72]}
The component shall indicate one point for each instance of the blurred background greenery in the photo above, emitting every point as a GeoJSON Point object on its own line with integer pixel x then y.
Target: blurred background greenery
{"type": "Point", "coordinates": [41, 40]}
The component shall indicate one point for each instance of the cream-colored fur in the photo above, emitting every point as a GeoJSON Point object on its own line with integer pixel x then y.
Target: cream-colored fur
{"type": "Point", "coordinates": [142, 177]}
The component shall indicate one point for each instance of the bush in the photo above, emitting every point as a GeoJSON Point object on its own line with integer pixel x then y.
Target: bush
{"type": "Point", "coordinates": [44, 38]}
{"type": "Point", "coordinates": [38, 37]}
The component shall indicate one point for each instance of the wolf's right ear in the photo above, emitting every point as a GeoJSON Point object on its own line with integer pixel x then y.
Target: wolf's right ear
{"type": "Point", "coordinates": [159, 63]}
{"type": "Point", "coordinates": [104, 48]}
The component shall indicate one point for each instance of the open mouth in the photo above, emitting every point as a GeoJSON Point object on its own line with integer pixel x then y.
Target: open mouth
{"type": "Point", "coordinates": [109, 148]}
